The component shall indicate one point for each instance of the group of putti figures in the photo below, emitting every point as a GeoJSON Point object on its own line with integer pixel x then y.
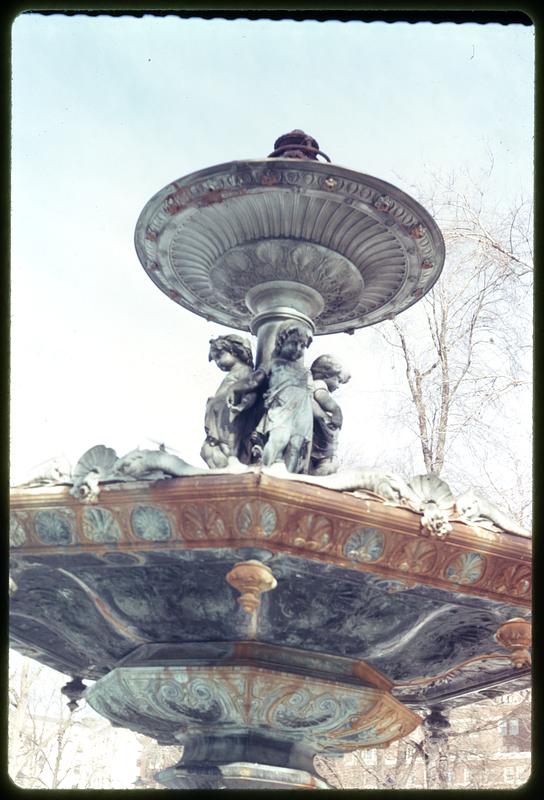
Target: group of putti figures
{"type": "Point", "coordinates": [284, 420]}
{"type": "Point", "coordinates": [282, 415]}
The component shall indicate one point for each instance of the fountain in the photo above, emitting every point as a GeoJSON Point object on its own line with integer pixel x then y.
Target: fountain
{"type": "Point", "coordinates": [269, 605]}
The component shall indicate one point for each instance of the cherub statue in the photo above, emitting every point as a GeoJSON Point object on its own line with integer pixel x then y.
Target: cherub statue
{"type": "Point", "coordinates": [222, 423]}
{"type": "Point", "coordinates": [288, 420]}
{"type": "Point", "coordinates": [328, 373]}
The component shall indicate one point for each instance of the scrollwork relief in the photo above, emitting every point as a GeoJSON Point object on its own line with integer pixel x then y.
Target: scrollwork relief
{"type": "Point", "coordinates": [230, 699]}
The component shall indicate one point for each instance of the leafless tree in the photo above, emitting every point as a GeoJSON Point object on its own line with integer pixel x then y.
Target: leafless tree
{"type": "Point", "coordinates": [465, 347]}
{"type": "Point", "coordinates": [49, 747]}
{"type": "Point", "coordinates": [38, 736]}
{"type": "Point", "coordinates": [472, 746]}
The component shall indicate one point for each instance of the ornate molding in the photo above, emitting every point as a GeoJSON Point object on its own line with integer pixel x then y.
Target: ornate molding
{"type": "Point", "coordinates": [427, 495]}
{"type": "Point", "coordinates": [258, 510]}
{"type": "Point", "coordinates": [176, 702]}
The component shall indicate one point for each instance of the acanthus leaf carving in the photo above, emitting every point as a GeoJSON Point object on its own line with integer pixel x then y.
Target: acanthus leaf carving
{"type": "Point", "coordinates": [256, 518]}
{"type": "Point", "coordinates": [513, 579]}
{"type": "Point", "coordinates": [415, 556]}
{"type": "Point", "coordinates": [313, 532]}
{"type": "Point", "coordinates": [203, 522]}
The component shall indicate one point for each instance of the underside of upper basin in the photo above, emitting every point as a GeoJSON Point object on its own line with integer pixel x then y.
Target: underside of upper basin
{"type": "Point", "coordinates": [366, 247]}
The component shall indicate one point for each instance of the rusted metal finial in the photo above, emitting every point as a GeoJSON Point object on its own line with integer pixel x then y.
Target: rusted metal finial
{"type": "Point", "coordinates": [515, 635]}
{"type": "Point", "coordinates": [297, 144]}
{"type": "Point", "coordinates": [73, 690]}
{"type": "Point", "coordinates": [251, 579]}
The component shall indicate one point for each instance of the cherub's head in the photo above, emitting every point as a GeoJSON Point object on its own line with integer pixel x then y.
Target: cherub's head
{"type": "Point", "coordinates": [291, 341]}
{"type": "Point", "coordinates": [327, 368]}
{"type": "Point", "coordinates": [228, 350]}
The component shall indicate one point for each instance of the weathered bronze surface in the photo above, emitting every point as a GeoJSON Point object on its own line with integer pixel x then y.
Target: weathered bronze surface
{"type": "Point", "coordinates": [232, 697]}
{"type": "Point", "coordinates": [355, 577]}
{"type": "Point", "coordinates": [257, 510]}
{"type": "Point", "coordinates": [515, 634]}
{"type": "Point", "coordinates": [252, 618]}
{"type": "Point", "coordinates": [297, 144]}
{"type": "Point", "coordinates": [364, 247]}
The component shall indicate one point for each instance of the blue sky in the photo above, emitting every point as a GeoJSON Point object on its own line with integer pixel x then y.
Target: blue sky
{"type": "Point", "coordinates": [107, 110]}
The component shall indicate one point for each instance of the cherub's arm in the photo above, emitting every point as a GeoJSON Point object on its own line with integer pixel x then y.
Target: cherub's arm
{"type": "Point", "coordinates": [245, 386]}
{"type": "Point", "coordinates": [324, 400]}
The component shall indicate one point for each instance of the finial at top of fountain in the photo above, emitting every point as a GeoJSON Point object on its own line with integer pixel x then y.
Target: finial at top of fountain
{"type": "Point", "coordinates": [297, 144]}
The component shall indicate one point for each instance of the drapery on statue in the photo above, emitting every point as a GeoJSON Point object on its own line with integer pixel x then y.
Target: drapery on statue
{"type": "Point", "coordinates": [288, 420]}
{"type": "Point", "coordinates": [328, 373]}
{"type": "Point", "coordinates": [223, 423]}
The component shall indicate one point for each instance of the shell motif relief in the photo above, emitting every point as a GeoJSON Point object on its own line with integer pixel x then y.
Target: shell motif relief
{"type": "Point", "coordinates": [257, 519]}
{"type": "Point", "coordinates": [54, 527]}
{"type": "Point", "coordinates": [416, 556]}
{"type": "Point", "coordinates": [17, 533]}
{"type": "Point", "coordinates": [150, 523]}
{"type": "Point", "coordinates": [465, 568]}
{"type": "Point", "coordinates": [514, 579]}
{"type": "Point", "coordinates": [364, 545]}
{"type": "Point", "coordinates": [99, 525]}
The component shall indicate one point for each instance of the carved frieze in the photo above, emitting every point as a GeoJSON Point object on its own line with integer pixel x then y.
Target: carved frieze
{"type": "Point", "coordinates": [249, 509]}
{"type": "Point", "coordinates": [150, 523]}
{"type": "Point", "coordinates": [17, 532]}
{"type": "Point", "coordinates": [513, 579]}
{"type": "Point", "coordinates": [311, 531]}
{"type": "Point", "coordinates": [415, 557]}
{"type": "Point", "coordinates": [465, 568]}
